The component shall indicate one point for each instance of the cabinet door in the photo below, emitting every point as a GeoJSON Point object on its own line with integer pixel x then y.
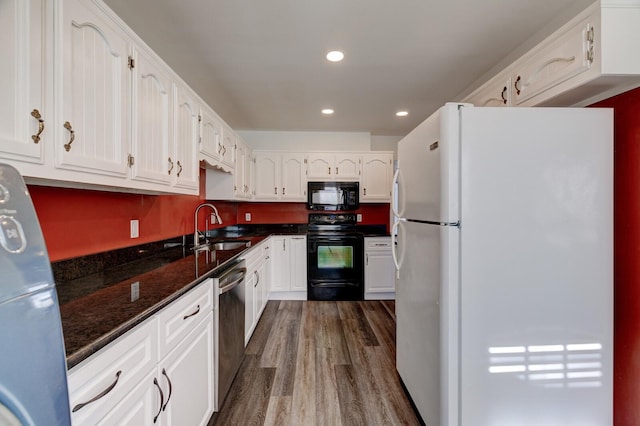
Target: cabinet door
{"type": "Point", "coordinates": [375, 185]}
{"type": "Point", "coordinates": [93, 92]}
{"type": "Point", "coordinates": [210, 136]}
{"type": "Point", "coordinates": [185, 163]}
{"type": "Point", "coordinates": [267, 180]}
{"type": "Point", "coordinates": [186, 377]}
{"type": "Point", "coordinates": [294, 178]}
{"type": "Point", "coordinates": [267, 275]}
{"type": "Point", "coordinates": [249, 305]}
{"type": "Point", "coordinates": [260, 292]}
{"type": "Point", "coordinates": [151, 122]}
{"type": "Point", "coordinates": [378, 268]}
{"type": "Point", "coordinates": [228, 144]}
{"type": "Point", "coordinates": [320, 166]}
{"type": "Point", "coordinates": [240, 186]}
{"type": "Point", "coordinates": [560, 59]}
{"type": "Point", "coordinates": [298, 265]}
{"type": "Point", "coordinates": [22, 73]}
{"type": "Point", "coordinates": [280, 266]}
{"type": "Point", "coordinates": [139, 407]}
{"type": "Point", "coordinates": [494, 93]}
{"type": "Point", "coordinates": [347, 167]}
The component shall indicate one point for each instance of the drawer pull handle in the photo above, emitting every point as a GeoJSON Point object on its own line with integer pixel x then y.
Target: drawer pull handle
{"type": "Point", "coordinates": [193, 313]}
{"type": "Point", "coordinates": [164, 373]}
{"type": "Point", "coordinates": [36, 114]}
{"type": "Point", "coordinates": [155, 382]}
{"type": "Point", "coordinates": [100, 395]}
{"type": "Point", "coordinates": [72, 136]}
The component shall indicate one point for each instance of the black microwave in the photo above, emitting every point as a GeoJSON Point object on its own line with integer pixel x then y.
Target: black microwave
{"type": "Point", "coordinates": [333, 196]}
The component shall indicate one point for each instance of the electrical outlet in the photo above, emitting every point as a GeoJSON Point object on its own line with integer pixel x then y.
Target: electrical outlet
{"type": "Point", "coordinates": [247, 217]}
{"type": "Point", "coordinates": [135, 228]}
{"type": "Point", "coordinates": [135, 291]}
{"type": "Point", "coordinates": [358, 217]}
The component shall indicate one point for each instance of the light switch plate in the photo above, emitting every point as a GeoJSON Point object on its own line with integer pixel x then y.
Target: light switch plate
{"type": "Point", "coordinates": [247, 217]}
{"type": "Point", "coordinates": [358, 217]}
{"type": "Point", "coordinates": [135, 291]}
{"type": "Point", "coordinates": [135, 228]}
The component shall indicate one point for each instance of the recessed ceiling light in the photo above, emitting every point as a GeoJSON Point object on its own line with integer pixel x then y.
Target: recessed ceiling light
{"type": "Point", "coordinates": [327, 111]}
{"type": "Point", "coordinates": [335, 56]}
{"type": "Point", "coordinates": [402, 113]}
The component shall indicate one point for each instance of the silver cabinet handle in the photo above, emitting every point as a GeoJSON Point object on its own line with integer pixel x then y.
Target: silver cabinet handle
{"type": "Point", "coordinates": [337, 172]}
{"type": "Point", "coordinates": [67, 146]}
{"type": "Point", "coordinates": [155, 382]}
{"type": "Point", "coordinates": [367, 259]}
{"type": "Point", "coordinates": [100, 395]}
{"type": "Point", "coordinates": [193, 313]}
{"type": "Point", "coordinates": [180, 168]}
{"type": "Point", "coordinates": [283, 190]}
{"type": "Point", "coordinates": [36, 114]}
{"type": "Point", "coordinates": [164, 373]}
{"type": "Point", "coordinates": [503, 95]}
{"type": "Point", "coordinates": [170, 165]}
{"type": "Point", "coordinates": [517, 84]}
{"type": "Point", "coordinates": [257, 278]}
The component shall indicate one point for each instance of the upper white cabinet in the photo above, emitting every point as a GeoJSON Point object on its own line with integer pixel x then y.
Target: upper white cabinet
{"type": "Point", "coordinates": [210, 137]}
{"type": "Point", "coordinates": [227, 151]}
{"type": "Point", "coordinates": [243, 185]}
{"type": "Point", "coordinates": [495, 93]}
{"type": "Point", "coordinates": [183, 164]}
{"type": "Point", "coordinates": [152, 125]}
{"type": "Point", "coordinates": [280, 176]}
{"type": "Point", "coordinates": [377, 173]}
{"type": "Point", "coordinates": [332, 166]}
{"type": "Point", "coordinates": [92, 91]}
{"type": "Point", "coordinates": [588, 59]}
{"type": "Point", "coordinates": [25, 120]}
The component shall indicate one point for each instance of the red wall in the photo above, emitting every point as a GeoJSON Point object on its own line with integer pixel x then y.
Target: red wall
{"type": "Point", "coordinates": [372, 214]}
{"type": "Point", "coordinates": [626, 256]}
{"type": "Point", "coordinates": [78, 222]}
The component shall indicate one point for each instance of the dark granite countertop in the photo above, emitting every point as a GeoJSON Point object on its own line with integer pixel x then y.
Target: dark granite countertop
{"type": "Point", "coordinates": [95, 292]}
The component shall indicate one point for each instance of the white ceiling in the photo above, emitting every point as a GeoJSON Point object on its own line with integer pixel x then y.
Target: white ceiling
{"type": "Point", "coordinates": [260, 63]}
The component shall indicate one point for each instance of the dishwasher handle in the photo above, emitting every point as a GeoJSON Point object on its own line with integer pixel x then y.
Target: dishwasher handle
{"type": "Point", "coordinates": [240, 273]}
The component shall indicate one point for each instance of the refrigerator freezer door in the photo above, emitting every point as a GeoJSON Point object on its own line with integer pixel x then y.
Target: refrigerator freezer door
{"type": "Point", "coordinates": [427, 358]}
{"type": "Point", "coordinates": [536, 267]}
{"type": "Point", "coordinates": [428, 164]}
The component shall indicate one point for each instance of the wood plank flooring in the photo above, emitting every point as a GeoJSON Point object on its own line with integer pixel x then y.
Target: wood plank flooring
{"type": "Point", "coordinates": [320, 363]}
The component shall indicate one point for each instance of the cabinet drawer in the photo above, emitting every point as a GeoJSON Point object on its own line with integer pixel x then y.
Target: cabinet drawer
{"type": "Point", "coordinates": [113, 372]}
{"type": "Point", "coordinates": [381, 243]}
{"type": "Point", "coordinates": [180, 317]}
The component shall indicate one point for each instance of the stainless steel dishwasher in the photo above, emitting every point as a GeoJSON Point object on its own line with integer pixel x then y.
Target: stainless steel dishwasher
{"type": "Point", "coordinates": [229, 349]}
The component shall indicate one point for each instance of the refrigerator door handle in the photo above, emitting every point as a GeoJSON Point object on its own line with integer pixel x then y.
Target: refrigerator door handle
{"type": "Point", "coordinates": [394, 193]}
{"type": "Point", "coordinates": [394, 245]}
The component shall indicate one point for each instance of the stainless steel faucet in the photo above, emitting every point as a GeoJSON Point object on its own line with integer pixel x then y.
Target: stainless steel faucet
{"type": "Point", "coordinates": [196, 234]}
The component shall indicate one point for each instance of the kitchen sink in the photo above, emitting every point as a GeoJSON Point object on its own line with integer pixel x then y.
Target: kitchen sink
{"type": "Point", "coordinates": [230, 245]}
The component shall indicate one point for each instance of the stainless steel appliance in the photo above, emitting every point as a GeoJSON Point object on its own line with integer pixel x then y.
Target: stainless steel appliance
{"type": "Point", "coordinates": [229, 348]}
{"type": "Point", "coordinates": [335, 258]}
{"type": "Point", "coordinates": [33, 370]}
{"type": "Point", "coordinates": [504, 290]}
{"type": "Point", "coordinates": [333, 196]}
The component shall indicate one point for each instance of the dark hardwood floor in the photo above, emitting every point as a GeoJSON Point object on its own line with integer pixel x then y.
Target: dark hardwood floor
{"type": "Point", "coordinates": [320, 363]}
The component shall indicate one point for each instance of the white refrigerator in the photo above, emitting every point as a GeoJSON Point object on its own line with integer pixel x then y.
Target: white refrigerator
{"type": "Point", "coordinates": [504, 258]}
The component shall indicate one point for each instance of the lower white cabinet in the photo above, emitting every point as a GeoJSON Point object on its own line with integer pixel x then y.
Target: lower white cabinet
{"type": "Point", "coordinates": [288, 267]}
{"type": "Point", "coordinates": [255, 290]}
{"type": "Point", "coordinates": [160, 372]}
{"type": "Point", "coordinates": [378, 269]}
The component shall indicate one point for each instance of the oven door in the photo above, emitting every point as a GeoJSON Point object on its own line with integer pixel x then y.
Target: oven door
{"type": "Point", "coordinates": [335, 265]}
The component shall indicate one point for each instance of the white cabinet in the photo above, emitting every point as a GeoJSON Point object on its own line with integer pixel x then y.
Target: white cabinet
{"type": "Point", "coordinates": [26, 124]}
{"type": "Point", "coordinates": [183, 165]}
{"type": "Point", "coordinates": [255, 289]}
{"type": "Point", "coordinates": [242, 182]}
{"type": "Point", "coordinates": [113, 371]}
{"type": "Point", "coordinates": [210, 137]}
{"type": "Point", "coordinates": [228, 144]}
{"type": "Point", "coordinates": [92, 91]}
{"type": "Point", "coordinates": [377, 173]}
{"type": "Point", "coordinates": [586, 60]}
{"type": "Point", "coordinates": [495, 93]}
{"type": "Point", "coordinates": [288, 267]}
{"type": "Point", "coordinates": [333, 166]}
{"type": "Point", "coordinates": [378, 269]}
{"type": "Point", "coordinates": [152, 130]}
{"type": "Point", "coordinates": [160, 372]}
{"type": "Point", "coordinates": [280, 176]}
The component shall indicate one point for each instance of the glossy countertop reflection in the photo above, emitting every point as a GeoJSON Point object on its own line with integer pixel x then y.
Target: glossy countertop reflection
{"type": "Point", "coordinates": [99, 308]}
